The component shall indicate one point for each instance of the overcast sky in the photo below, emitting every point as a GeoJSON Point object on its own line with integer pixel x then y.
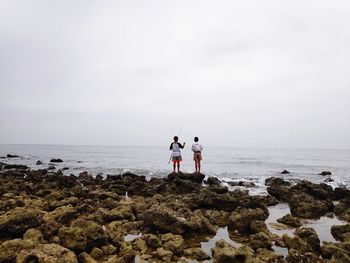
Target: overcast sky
{"type": "Point", "coordinates": [235, 73]}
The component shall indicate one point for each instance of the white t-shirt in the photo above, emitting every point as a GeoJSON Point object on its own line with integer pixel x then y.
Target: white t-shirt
{"type": "Point", "coordinates": [197, 147]}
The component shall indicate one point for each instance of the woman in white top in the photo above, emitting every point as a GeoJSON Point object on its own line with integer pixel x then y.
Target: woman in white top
{"type": "Point", "coordinates": [197, 149]}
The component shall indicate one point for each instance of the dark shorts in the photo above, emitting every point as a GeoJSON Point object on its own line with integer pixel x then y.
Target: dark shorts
{"type": "Point", "coordinates": [176, 159]}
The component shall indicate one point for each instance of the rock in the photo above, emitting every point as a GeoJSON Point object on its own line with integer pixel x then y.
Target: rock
{"type": "Point", "coordinates": [51, 167]}
{"type": "Point", "coordinates": [86, 258]}
{"type": "Point", "coordinates": [260, 240]}
{"type": "Point", "coordinates": [342, 210]}
{"type": "Point", "coordinates": [280, 192]}
{"type": "Point", "coordinates": [276, 181]}
{"type": "Point", "coordinates": [56, 161]}
{"type": "Point", "coordinates": [47, 253]}
{"type": "Point", "coordinates": [163, 254]}
{"type": "Point", "coordinates": [295, 256]}
{"type": "Point", "coordinates": [12, 156]}
{"type": "Point", "coordinates": [162, 218]}
{"type": "Point", "coordinates": [324, 173]}
{"type": "Point", "coordinates": [33, 235]}
{"type": "Point", "coordinates": [196, 177]}
{"type": "Point", "coordinates": [173, 243]}
{"type": "Point", "coordinates": [306, 206]}
{"type": "Point", "coordinates": [289, 220]}
{"type": "Point", "coordinates": [16, 166]}
{"type": "Point", "coordinates": [81, 235]}
{"type": "Point", "coordinates": [340, 258]}
{"type": "Point", "coordinates": [121, 212]}
{"type": "Point", "coordinates": [341, 193]}
{"type": "Point", "coordinates": [213, 180]}
{"type": "Point", "coordinates": [50, 228]}
{"type": "Point", "coordinates": [341, 232]}
{"type": "Point", "coordinates": [310, 236]}
{"type": "Point", "coordinates": [9, 249]}
{"type": "Point", "coordinates": [196, 253]}
{"type": "Point", "coordinates": [285, 172]}
{"type": "Point", "coordinates": [258, 226]}
{"type": "Point", "coordinates": [152, 241]}
{"type": "Point", "coordinates": [62, 214]}
{"type": "Point", "coordinates": [328, 250]}
{"type": "Point", "coordinates": [18, 220]}
{"type": "Point", "coordinates": [223, 252]}
{"type": "Point", "coordinates": [242, 183]}
{"type": "Point", "coordinates": [39, 162]}
{"type": "Point", "coordinates": [97, 253]}
{"type": "Point", "coordinates": [297, 244]}
{"type": "Point", "coordinates": [219, 189]}
{"type": "Point", "coordinates": [242, 218]}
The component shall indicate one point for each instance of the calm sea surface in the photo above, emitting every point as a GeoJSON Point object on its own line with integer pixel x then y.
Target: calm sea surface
{"type": "Point", "coordinates": [229, 164]}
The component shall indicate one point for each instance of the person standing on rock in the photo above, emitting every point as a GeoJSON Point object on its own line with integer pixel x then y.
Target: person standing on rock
{"type": "Point", "coordinates": [176, 153]}
{"type": "Point", "coordinates": [197, 149]}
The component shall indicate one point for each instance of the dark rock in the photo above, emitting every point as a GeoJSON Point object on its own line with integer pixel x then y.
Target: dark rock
{"type": "Point", "coordinates": [310, 236]}
{"type": "Point", "coordinates": [276, 181]}
{"type": "Point", "coordinates": [328, 180]}
{"type": "Point", "coordinates": [242, 218]}
{"type": "Point", "coordinates": [196, 177]}
{"type": "Point", "coordinates": [341, 193]}
{"type": "Point", "coordinates": [223, 252]}
{"type": "Point", "coordinates": [213, 181]}
{"type": "Point", "coordinates": [51, 167]}
{"type": "Point", "coordinates": [289, 220]}
{"type": "Point", "coordinates": [285, 172]}
{"type": "Point", "coordinates": [328, 250]}
{"type": "Point", "coordinates": [39, 162]}
{"type": "Point", "coordinates": [65, 168]}
{"type": "Point", "coordinates": [56, 161]}
{"type": "Point", "coordinates": [260, 240]}
{"type": "Point", "coordinates": [16, 166]}
{"type": "Point", "coordinates": [306, 206]}
{"type": "Point", "coordinates": [242, 183]}
{"type": "Point", "coordinates": [12, 156]}
{"type": "Point", "coordinates": [297, 243]}
{"type": "Point", "coordinates": [280, 192]}
{"type": "Point", "coordinates": [294, 256]}
{"type": "Point", "coordinates": [18, 220]}
{"type": "Point", "coordinates": [320, 191]}
{"type": "Point", "coordinates": [341, 232]}
{"type": "Point", "coordinates": [324, 173]}
{"type": "Point", "coordinates": [219, 189]}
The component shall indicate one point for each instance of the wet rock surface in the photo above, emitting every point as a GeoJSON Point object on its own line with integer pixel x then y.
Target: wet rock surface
{"type": "Point", "coordinates": [46, 216]}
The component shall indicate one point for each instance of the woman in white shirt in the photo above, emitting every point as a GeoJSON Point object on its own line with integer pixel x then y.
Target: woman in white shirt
{"type": "Point", "coordinates": [197, 149]}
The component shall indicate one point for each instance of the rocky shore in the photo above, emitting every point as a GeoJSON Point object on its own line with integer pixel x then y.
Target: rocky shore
{"type": "Point", "coordinates": [48, 217]}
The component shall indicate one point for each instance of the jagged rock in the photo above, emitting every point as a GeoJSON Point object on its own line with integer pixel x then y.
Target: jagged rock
{"type": "Point", "coordinates": [173, 243]}
{"type": "Point", "coordinates": [341, 232]}
{"type": "Point", "coordinates": [329, 249]}
{"type": "Point", "coordinates": [242, 218]}
{"type": "Point", "coordinates": [97, 253]}
{"type": "Point", "coordinates": [219, 189]}
{"type": "Point", "coordinates": [9, 249]}
{"type": "Point", "coordinates": [50, 228]}
{"type": "Point", "coordinates": [213, 180]}
{"type": "Point", "coordinates": [81, 235]}
{"type": "Point", "coordinates": [16, 166]}
{"type": "Point", "coordinates": [260, 240]}
{"type": "Point", "coordinates": [47, 253]}
{"type": "Point", "coordinates": [310, 236]}
{"type": "Point", "coordinates": [62, 214]}
{"type": "Point", "coordinates": [196, 253]}
{"type": "Point", "coordinates": [258, 226]}
{"type": "Point", "coordinates": [163, 254]}
{"type": "Point", "coordinates": [152, 241]}
{"type": "Point", "coordinates": [223, 252]}
{"type": "Point", "coordinates": [276, 181]}
{"type": "Point", "coordinates": [121, 212]}
{"type": "Point", "coordinates": [86, 258]}
{"type": "Point", "coordinates": [324, 173]}
{"type": "Point", "coordinates": [12, 156]}
{"type": "Point", "coordinates": [162, 218]}
{"type": "Point", "coordinates": [196, 177]}
{"type": "Point", "coordinates": [340, 258]}
{"type": "Point", "coordinates": [18, 220]}
{"type": "Point", "coordinates": [56, 160]}
{"type": "Point", "coordinates": [297, 244]}
{"type": "Point", "coordinates": [295, 256]}
{"type": "Point", "coordinates": [280, 192]}
{"type": "Point", "coordinates": [285, 172]}
{"type": "Point", "coordinates": [306, 206]}
{"type": "Point", "coordinates": [289, 220]}
{"type": "Point", "coordinates": [242, 183]}
{"type": "Point", "coordinates": [51, 167]}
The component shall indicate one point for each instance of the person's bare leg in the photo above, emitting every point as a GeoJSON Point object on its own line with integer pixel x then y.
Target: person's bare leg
{"type": "Point", "coordinates": [199, 166]}
{"type": "Point", "coordinates": [174, 166]}
{"type": "Point", "coordinates": [196, 165]}
{"type": "Point", "coordinates": [178, 167]}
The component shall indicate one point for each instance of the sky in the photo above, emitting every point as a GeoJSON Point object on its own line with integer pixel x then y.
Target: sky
{"type": "Point", "coordinates": [272, 74]}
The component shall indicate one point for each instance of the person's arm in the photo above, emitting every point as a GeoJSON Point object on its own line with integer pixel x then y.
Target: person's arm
{"type": "Point", "coordinates": [192, 147]}
{"type": "Point", "coordinates": [181, 146]}
{"type": "Point", "coordinates": [171, 146]}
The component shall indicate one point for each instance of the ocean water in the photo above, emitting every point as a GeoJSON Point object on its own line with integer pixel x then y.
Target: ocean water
{"type": "Point", "coordinates": [228, 164]}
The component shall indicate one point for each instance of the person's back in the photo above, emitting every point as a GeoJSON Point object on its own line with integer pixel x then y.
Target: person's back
{"type": "Point", "coordinates": [176, 153]}
{"type": "Point", "coordinates": [197, 149]}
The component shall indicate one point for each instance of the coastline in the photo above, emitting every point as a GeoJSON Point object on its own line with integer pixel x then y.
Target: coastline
{"type": "Point", "coordinates": [46, 215]}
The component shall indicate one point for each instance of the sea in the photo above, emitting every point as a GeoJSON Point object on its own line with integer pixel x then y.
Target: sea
{"type": "Point", "coordinates": [228, 164]}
